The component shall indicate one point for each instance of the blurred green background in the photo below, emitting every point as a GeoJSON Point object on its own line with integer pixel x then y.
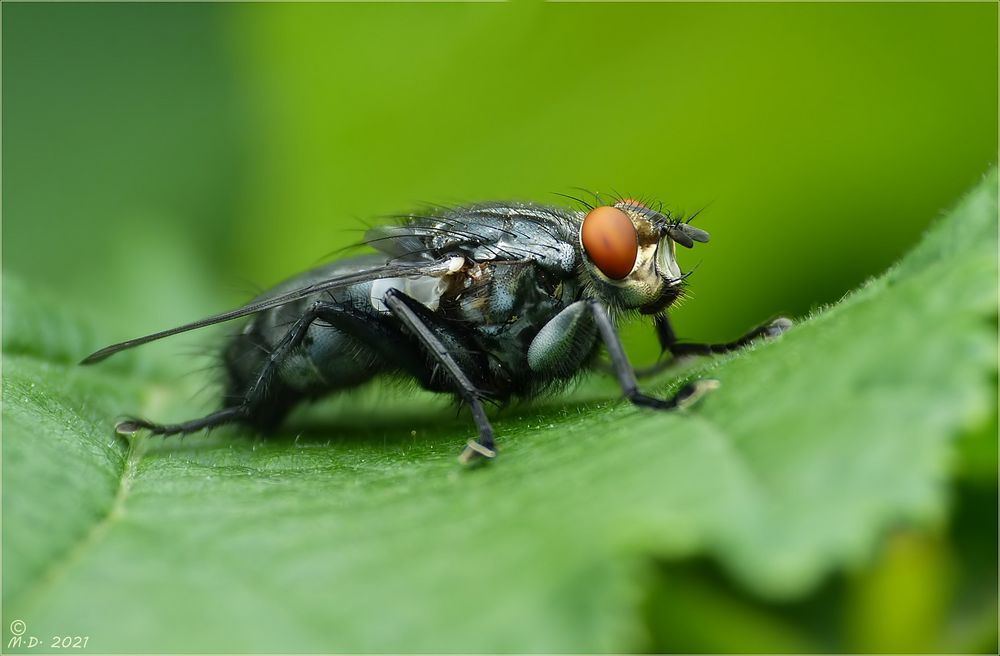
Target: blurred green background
{"type": "Point", "coordinates": [254, 139]}
{"type": "Point", "coordinates": [160, 161]}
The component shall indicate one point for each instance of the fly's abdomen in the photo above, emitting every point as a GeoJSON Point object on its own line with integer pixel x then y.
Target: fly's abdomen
{"type": "Point", "coordinates": [329, 359]}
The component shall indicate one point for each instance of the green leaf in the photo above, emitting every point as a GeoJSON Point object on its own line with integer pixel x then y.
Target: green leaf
{"type": "Point", "coordinates": [357, 531]}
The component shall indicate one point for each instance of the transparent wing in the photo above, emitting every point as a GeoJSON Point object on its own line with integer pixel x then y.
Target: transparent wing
{"type": "Point", "coordinates": [429, 267]}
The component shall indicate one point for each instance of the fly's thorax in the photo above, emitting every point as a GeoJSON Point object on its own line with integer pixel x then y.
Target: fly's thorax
{"type": "Point", "coordinates": [425, 289]}
{"type": "Point", "coordinates": [629, 257]}
{"type": "Point", "coordinates": [499, 293]}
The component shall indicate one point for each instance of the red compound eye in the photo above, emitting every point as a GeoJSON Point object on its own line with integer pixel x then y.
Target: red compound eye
{"type": "Point", "coordinates": [610, 240]}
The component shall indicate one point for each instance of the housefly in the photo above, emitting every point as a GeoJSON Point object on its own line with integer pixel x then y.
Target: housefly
{"type": "Point", "coordinates": [486, 302]}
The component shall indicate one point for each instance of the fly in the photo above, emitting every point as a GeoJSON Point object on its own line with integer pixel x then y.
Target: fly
{"type": "Point", "coordinates": [486, 302]}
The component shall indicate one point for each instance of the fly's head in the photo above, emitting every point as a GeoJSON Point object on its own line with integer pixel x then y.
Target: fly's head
{"type": "Point", "coordinates": [629, 253]}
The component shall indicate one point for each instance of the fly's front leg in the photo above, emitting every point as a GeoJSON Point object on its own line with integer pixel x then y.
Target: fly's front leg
{"type": "Point", "coordinates": [668, 343]}
{"type": "Point", "coordinates": [668, 339]}
{"type": "Point", "coordinates": [485, 446]}
{"type": "Point", "coordinates": [626, 375]}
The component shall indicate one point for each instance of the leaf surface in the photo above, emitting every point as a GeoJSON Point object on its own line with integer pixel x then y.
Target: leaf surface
{"type": "Point", "coordinates": [357, 531]}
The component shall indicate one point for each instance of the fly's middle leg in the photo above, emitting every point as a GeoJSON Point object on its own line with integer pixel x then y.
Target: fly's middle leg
{"type": "Point", "coordinates": [484, 446]}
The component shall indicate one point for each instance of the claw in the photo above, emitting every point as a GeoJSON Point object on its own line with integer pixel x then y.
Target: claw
{"type": "Point", "coordinates": [694, 391]}
{"type": "Point", "coordinates": [130, 426]}
{"type": "Point", "coordinates": [777, 327]}
{"type": "Point", "coordinates": [475, 452]}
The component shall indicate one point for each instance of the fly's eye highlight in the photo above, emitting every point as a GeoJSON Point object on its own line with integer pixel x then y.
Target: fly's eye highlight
{"type": "Point", "coordinates": [610, 240]}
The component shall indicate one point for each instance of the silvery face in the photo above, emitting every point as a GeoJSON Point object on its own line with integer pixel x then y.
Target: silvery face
{"type": "Point", "coordinates": [655, 279]}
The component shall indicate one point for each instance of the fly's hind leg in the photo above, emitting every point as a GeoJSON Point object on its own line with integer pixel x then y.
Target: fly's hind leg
{"type": "Point", "coordinates": [484, 446]}
{"type": "Point", "coordinates": [254, 396]}
{"type": "Point", "coordinates": [217, 418]}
